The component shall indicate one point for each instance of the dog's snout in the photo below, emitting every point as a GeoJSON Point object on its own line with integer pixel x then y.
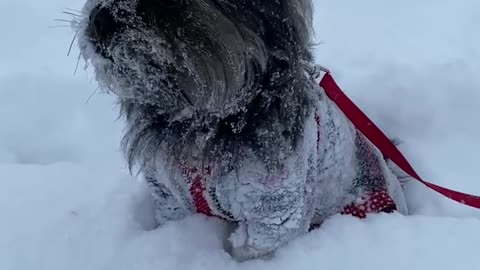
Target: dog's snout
{"type": "Point", "coordinates": [102, 24]}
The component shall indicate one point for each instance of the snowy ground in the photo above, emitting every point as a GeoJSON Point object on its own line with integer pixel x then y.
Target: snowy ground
{"type": "Point", "coordinates": [66, 201]}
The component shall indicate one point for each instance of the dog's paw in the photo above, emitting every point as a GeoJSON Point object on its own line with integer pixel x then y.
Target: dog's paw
{"type": "Point", "coordinates": [241, 251]}
{"type": "Point", "coordinates": [246, 253]}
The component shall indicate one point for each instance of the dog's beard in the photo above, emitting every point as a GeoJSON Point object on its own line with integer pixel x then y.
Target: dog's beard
{"type": "Point", "coordinates": [190, 70]}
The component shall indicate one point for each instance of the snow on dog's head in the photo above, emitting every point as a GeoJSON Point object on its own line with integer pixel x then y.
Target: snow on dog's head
{"type": "Point", "coordinates": [201, 72]}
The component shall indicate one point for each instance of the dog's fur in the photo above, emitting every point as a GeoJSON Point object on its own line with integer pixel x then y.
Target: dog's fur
{"type": "Point", "coordinates": [222, 84]}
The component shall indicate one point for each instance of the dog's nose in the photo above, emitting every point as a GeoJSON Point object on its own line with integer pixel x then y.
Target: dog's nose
{"type": "Point", "coordinates": [102, 24]}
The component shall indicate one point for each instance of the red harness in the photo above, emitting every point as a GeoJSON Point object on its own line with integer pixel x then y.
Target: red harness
{"type": "Point", "coordinates": [375, 202]}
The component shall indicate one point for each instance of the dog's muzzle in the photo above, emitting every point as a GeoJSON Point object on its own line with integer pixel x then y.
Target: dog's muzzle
{"type": "Point", "coordinates": [102, 23]}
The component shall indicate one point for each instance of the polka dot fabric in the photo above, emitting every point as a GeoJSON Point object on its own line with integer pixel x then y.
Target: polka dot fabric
{"type": "Point", "coordinates": [376, 202]}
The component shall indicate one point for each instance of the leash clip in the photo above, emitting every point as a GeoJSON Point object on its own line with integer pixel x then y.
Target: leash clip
{"type": "Point", "coordinates": [317, 72]}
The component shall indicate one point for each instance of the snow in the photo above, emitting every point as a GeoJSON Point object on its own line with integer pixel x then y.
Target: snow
{"type": "Point", "coordinates": [68, 202]}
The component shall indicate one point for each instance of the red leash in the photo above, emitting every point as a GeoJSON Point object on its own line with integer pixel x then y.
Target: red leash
{"type": "Point", "coordinates": [383, 143]}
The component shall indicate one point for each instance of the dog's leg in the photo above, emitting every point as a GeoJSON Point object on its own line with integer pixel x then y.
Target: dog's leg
{"type": "Point", "coordinates": [375, 176]}
{"type": "Point", "coordinates": [272, 218]}
{"type": "Point", "coordinates": [260, 240]}
{"type": "Point", "coordinates": [167, 207]}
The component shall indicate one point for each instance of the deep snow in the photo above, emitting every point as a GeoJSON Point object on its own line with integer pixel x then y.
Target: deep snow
{"type": "Point", "coordinates": [67, 201]}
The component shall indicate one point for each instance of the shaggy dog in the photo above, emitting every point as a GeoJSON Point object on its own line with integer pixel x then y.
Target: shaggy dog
{"type": "Point", "coordinates": [224, 119]}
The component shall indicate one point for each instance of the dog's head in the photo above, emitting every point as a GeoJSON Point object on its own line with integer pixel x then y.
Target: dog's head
{"type": "Point", "coordinates": [182, 68]}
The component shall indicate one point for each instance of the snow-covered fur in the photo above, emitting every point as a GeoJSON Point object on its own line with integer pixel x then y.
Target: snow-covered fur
{"type": "Point", "coordinates": [217, 90]}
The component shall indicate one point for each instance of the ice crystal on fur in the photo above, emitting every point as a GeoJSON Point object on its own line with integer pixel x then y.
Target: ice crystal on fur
{"type": "Point", "coordinates": [199, 71]}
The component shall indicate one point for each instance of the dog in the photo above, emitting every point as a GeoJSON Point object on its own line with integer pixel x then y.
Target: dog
{"type": "Point", "coordinates": [224, 119]}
